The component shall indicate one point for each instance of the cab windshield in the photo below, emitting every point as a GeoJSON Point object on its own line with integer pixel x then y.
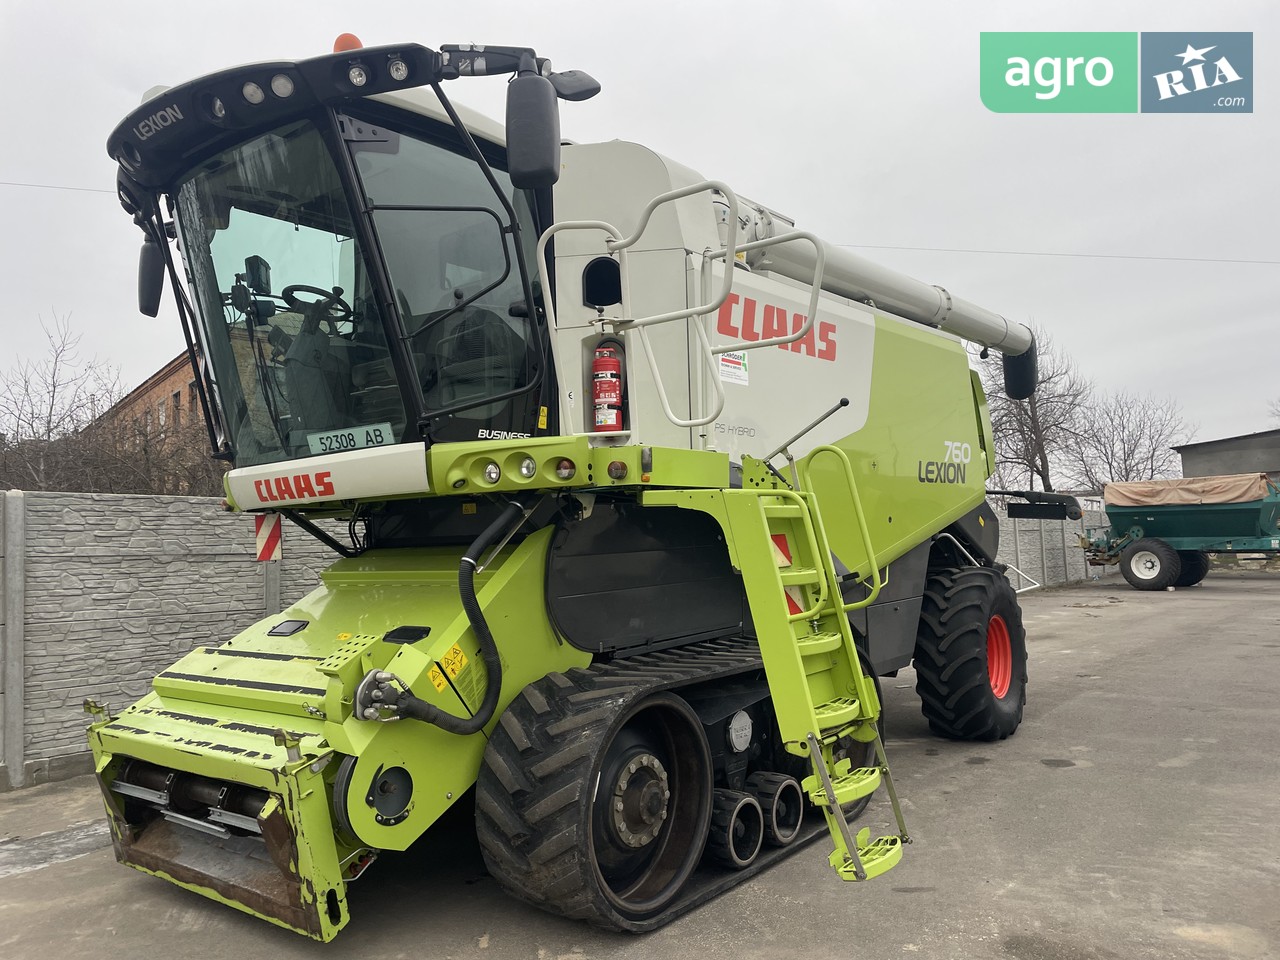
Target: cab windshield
{"type": "Point", "coordinates": [300, 354]}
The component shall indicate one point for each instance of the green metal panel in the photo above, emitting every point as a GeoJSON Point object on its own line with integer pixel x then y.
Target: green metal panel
{"type": "Point", "coordinates": [458, 468]}
{"type": "Point", "coordinates": [920, 460]}
{"type": "Point", "coordinates": [216, 712]}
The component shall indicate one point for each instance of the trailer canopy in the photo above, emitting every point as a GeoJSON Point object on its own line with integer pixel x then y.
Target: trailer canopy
{"type": "Point", "coordinates": [1234, 488]}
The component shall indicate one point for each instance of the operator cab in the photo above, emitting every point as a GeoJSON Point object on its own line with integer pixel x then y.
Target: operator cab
{"type": "Point", "coordinates": [361, 269]}
{"type": "Point", "coordinates": [290, 309]}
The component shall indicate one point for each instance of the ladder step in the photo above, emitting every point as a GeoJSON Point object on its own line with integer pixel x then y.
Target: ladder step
{"type": "Point", "coordinates": [877, 856]}
{"type": "Point", "coordinates": [787, 511]}
{"type": "Point", "coordinates": [799, 576]}
{"type": "Point", "coordinates": [816, 643]}
{"type": "Point", "coordinates": [854, 785]}
{"type": "Point", "coordinates": [838, 712]}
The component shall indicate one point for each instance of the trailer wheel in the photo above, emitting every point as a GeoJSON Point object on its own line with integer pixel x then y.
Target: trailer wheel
{"type": "Point", "coordinates": [1195, 566]}
{"type": "Point", "coordinates": [971, 655]}
{"type": "Point", "coordinates": [1150, 564]}
{"type": "Point", "coordinates": [594, 806]}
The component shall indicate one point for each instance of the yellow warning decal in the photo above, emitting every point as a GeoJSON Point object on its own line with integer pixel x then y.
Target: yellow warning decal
{"type": "Point", "coordinates": [437, 679]}
{"type": "Point", "coordinates": [468, 509]}
{"type": "Point", "coordinates": [453, 661]}
{"type": "Point", "coordinates": [542, 418]}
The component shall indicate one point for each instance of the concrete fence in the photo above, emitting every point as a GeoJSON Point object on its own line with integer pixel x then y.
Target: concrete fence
{"type": "Point", "coordinates": [1047, 552]}
{"type": "Point", "coordinates": [99, 593]}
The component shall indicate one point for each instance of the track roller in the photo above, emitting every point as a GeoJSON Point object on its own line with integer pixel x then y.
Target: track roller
{"type": "Point", "coordinates": [737, 829]}
{"type": "Point", "coordinates": [781, 804]}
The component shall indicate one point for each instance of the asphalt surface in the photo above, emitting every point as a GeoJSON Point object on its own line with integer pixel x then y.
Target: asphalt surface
{"type": "Point", "coordinates": [1135, 814]}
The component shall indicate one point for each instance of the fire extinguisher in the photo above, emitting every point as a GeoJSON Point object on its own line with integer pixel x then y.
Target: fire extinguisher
{"type": "Point", "coordinates": [606, 385]}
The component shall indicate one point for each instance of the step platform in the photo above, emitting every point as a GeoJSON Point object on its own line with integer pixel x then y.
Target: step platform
{"type": "Point", "coordinates": [878, 856]}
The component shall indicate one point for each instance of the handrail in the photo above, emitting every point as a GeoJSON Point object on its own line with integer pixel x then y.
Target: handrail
{"type": "Point", "coordinates": [617, 244]}
{"type": "Point", "coordinates": [877, 582]}
{"type": "Point", "coordinates": [818, 270]}
{"type": "Point", "coordinates": [710, 359]}
{"type": "Point", "coordinates": [548, 304]}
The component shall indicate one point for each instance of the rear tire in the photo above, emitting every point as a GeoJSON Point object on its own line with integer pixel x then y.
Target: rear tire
{"type": "Point", "coordinates": [1150, 564]}
{"type": "Point", "coordinates": [971, 655]}
{"type": "Point", "coordinates": [1195, 565]}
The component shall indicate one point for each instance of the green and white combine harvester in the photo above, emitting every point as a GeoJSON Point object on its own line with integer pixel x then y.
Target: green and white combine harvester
{"type": "Point", "coordinates": [640, 489]}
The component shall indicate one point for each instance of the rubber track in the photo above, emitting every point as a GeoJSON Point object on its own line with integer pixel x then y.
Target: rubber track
{"type": "Point", "coordinates": [950, 657]}
{"type": "Point", "coordinates": [539, 758]}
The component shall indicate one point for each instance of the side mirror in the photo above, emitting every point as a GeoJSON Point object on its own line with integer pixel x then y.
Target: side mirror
{"type": "Point", "coordinates": [150, 277]}
{"type": "Point", "coordinates": [574, 85]}
{"type": "Point", "coordinates": [533, 132]}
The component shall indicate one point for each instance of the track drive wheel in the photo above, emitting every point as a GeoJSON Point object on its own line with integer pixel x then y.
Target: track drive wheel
{"type": "Point", "coordinates": [595, 803]}
{"type": "Point", "coordinates": [971, 655]}
{"type": "Point", "coordinates": [1150, 564]}
{"type": "Point", "coordinates": [1194, 567]}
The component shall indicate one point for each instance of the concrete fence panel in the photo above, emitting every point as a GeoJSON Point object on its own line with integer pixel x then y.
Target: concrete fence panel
{"type": "Point", "coordinates": [102, 592]}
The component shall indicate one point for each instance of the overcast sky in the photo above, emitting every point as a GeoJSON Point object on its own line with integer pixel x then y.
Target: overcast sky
{"type": "Point", "coordinates": [1157, 252]}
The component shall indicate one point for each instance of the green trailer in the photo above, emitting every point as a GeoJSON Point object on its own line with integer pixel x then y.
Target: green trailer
{"type": "Point", "coordinates": [1162, 531]}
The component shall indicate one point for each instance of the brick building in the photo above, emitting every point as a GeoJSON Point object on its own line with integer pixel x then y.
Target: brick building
{"type": "Point", "coordinates": [166, 400]}
{"type": "Point", "coordinates": [159, 428]}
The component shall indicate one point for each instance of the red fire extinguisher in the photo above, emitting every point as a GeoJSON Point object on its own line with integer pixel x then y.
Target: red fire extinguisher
{"type": "Point", "coordinates": [606, 385]}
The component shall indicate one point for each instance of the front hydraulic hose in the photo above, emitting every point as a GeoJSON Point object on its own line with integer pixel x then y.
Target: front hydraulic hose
{"type": "Point", "coordinates": [383, 696]}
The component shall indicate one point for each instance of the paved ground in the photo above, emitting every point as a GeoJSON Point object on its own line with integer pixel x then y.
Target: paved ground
{"type": "Point", "coordinates": [1136, 814]}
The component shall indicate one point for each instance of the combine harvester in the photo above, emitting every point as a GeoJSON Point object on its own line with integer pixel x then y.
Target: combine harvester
{"type": "Point", "coordinates": [644, 487]}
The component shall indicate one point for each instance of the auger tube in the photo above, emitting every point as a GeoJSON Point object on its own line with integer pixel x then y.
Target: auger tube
{"type": "Point", "coordinates": [852, 276]}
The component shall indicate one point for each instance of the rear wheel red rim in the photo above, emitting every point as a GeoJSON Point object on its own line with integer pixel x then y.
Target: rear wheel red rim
{"type": "Point", "coordinates": [999, 656]}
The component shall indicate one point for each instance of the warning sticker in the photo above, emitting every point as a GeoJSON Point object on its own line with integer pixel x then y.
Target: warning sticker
{"type": "Point", "coordinates": [733, 368]}
{"type": "Point", "coordinates": [437, 679]}
{"type": "Point", "coordinates": [471, 684]}
{"type": "Point", "coordinates": [453, 661]}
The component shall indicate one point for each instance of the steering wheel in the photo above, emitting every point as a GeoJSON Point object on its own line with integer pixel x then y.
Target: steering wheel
{"type": "Point", "coordinates": [330, 307]}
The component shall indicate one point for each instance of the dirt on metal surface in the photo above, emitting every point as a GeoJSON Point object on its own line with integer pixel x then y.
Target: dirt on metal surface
{"type": "Point", "coordinates": [1135, 815]}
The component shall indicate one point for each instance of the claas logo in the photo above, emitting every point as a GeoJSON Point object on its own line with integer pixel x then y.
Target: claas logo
{"type": "Point", "coordinates": [300, 486]}
{"type": "Point", "coordinates": [742, 318]}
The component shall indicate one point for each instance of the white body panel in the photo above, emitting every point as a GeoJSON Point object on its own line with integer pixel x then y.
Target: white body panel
{"type": "Point", "coordinates": [374, 472]}
{"type": "Point", "coordinates": [613, 182]}
{"type": "Point", "coordinates": [784, 387]}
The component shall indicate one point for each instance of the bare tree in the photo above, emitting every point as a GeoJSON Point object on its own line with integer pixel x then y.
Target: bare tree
{"type": "Point", "coordinates": [63, 427]}
{"type": "Point", "coordinates": [135, 455]}
{"type": "Point", "coordinates": [1127, 436]}
{"type": "Point", "coordinates": [1274, 408]}
{"type": "Point", "coordinates": [1032, 436]}
{"type": "Point", "coordinates": [45, 401]}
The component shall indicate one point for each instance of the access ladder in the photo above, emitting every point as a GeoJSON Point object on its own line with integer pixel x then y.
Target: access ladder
{"type": "Point", "coordinates": [820, 692]}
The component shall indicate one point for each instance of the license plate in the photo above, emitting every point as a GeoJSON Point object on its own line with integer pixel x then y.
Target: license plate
{"type": "Point", "coordinates": [353, 438]}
